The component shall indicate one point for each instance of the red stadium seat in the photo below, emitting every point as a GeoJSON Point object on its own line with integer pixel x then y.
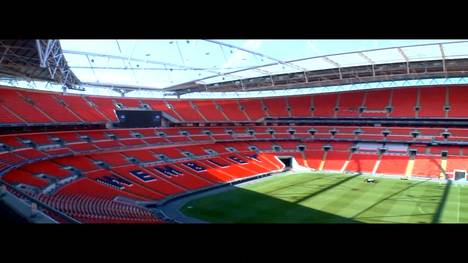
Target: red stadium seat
{"type": "Point", "coordinates": [458, 98]}
{"type": "Point", "coordinates": [209, 110]}
{"type": "Point", "coordinates": [253, 108]}
{"type": "Point", "coordinates": [324, 105]}
{"type": "Point", "coordinates": [404, 102]}
{"type": "Point", "coordinates": [393, 164]}
{"type": "Point", "coordinates": [137, 172]}
{"type": "Point", "coordinates": [276, 107]}
{"type": "Point", "coordinates": [231, 109]}
{"type": "Point", "coordinates": [376, 102]}
{"type": "Point", "coordinates": [432, 102]}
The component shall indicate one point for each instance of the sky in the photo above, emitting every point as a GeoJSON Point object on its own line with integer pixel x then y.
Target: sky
{"type": "Point", "coordinates": [164, 63]}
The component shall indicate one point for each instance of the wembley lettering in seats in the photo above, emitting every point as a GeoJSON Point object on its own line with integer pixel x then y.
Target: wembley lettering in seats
{"type": "Point", "coordinates": [235, 159]}
{"type": "Point", "coordinates": [253, 156]}
{"type": "Point", "coordinates": [168, 171]}
{"type": "Point", "coordinates": [218, 163]}
{"type": "Point", "coordinates": [114, 181]}
{"type": "Point", "coordinates": [195, 166]}
{"type": "Point", "coordinates": [142, 175]}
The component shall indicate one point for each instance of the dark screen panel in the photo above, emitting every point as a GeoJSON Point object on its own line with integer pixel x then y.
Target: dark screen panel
{"type": "Point", "coordinates": [139, 118]}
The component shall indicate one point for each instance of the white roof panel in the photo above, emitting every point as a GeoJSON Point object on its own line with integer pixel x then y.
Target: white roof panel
{"type": "Point", "coordinates": [165, 63]}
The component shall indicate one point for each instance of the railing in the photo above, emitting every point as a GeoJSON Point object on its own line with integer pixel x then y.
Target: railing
{"type": "Point", "coordinates": [54, 213]}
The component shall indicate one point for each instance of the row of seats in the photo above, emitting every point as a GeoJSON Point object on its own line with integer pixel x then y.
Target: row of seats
{"type": "Point", "coordinates": [25, 106]}
{"type": "Point", "coordinates": [11, 158]}
{"type": "Point", "coordinates": [148, 180]}
{"type": "Point", "coordinates": [98, 210]}
{"type": "Point", "coordinates": [89, 163]}
{"type": "Point", "coordinates": [145, 181]}
{"type": "Point", "coordinates": [103, 142]}
{"type": "Point", "coordinates": [94, 139]}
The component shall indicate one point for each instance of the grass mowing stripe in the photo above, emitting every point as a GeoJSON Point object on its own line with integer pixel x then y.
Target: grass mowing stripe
{"type": "Point", "coordinates": [345, 196]}
{"type": "Point", "coordinates": [278, 183]}
{"type": "Point", "coordinates": [377, 210]}
{"type": "Point", "coordinates": [404, 208]}
{"type": "Point", "coordinates": [423, 206]}
{"type": "Point", "coordinates": [451, 208]}
{"type": "Point", "coordinates": [367, 199]}
{"type": "Point", "coordinates": [314, 197]}
{"type": "Point", "coordinates": [406, 202]}
{"type": "Point", "coordinates": [368, 204]}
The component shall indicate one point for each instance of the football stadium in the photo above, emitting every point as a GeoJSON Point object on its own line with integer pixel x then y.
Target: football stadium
{"type": "Point", "coordinates": [203, 131]}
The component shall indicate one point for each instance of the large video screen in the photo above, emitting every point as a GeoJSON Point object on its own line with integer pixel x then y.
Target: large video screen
{"type": "Point", "coordinates": [138, 118]}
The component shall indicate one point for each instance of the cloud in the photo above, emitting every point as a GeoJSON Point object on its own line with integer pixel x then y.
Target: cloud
{"type": "Point", "coordinates": [236, 58]}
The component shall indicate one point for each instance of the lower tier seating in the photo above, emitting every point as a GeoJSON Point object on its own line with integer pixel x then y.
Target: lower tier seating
{"type": "Point", "coordinates": [158, 172]}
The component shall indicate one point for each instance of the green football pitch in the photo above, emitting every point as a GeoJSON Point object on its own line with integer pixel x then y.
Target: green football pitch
{"type": "Point", "coordinates": [334, 198]}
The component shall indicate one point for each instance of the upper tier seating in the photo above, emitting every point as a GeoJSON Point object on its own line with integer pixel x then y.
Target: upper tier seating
{"type": "Point", "coordinates": [432, 102]}
{"type": "Point", "coordinates": [128, 102]}
{"type": "Point", "coordinates": [232, 110]}
{"type": "Point", "coordinates": [14, 102]}
{"type": "Point", "coordinates": [185, 110]}
{"type": "Point", "coordinates": [404, 102]}
{"type": "Point", "coordinates": [349, 104]}
{"type": "Point", "coordinates": [161, 105]}
{"type": "Point", "coordinates": [51, 106]}
{"type": "Point", "coordinates": [81, 107]}
{"type": "Point", "coordinates": [7, 115]}
{"type": "Point", "coordinates": [253, 108]}
{"type": "Point", "coordinates": [324, 105]}
{"type": "Point", "coordinates": [208, 109]}
{"type": "Point", "coordinates": [300, 106]}
{"type": "Point", "coordinates": [458, 99]}
{"type": "Point", "coordinates": [276, 107]}
{"type": "Point", "coordinates": [104, 105]}
{"type": "Point", "coordinates": [27, 106]}
{"type": "Point", "coordinates": [376, 102]}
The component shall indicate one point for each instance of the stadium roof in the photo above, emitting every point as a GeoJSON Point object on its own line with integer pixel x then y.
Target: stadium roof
{"type": "Point", "coordinates": [184, 66]}
{"type": "Point", "coordinates": [35, 60]}
{"type": "Point", "coordinates": [228, 68]}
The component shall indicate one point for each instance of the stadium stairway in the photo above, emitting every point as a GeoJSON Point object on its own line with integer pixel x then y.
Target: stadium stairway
{"type": "Point", "coordinates": [377, 164]}
{"type": "Point", "coordinates": [443, 165]}
{"type": "Point", "coordinates": [409, 167]}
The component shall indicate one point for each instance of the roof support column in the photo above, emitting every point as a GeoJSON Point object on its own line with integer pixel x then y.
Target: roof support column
{"type": "Point", "coordinates": [443, 58]}
{"type": "Point", "coordinates": [406, 59]}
